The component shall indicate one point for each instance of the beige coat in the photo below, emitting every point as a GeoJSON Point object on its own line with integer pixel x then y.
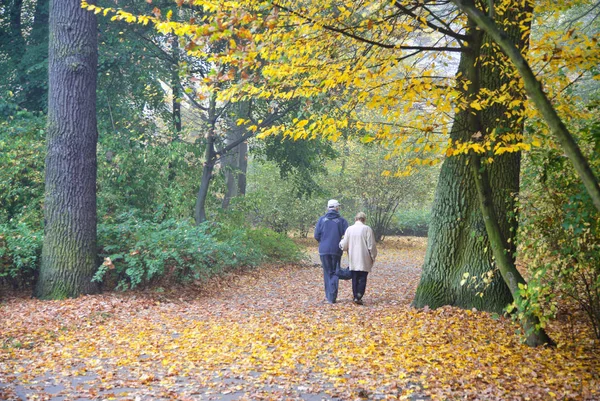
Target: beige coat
{"type": "Point", "coordinates": [359, 241]}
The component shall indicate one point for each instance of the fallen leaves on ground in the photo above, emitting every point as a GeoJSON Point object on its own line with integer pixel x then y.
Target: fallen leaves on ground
{"type": "Point", "coordinates": [266, 334]}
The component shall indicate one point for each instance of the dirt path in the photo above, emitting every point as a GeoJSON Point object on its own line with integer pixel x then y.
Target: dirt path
{"type": "Point", "coordinates": [267, 335]}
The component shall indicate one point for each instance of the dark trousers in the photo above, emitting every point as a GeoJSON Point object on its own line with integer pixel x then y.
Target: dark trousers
{"type": "Point", "coordinates": [359, 284]}
{"type": "Point", "coordinates": [331, 281]}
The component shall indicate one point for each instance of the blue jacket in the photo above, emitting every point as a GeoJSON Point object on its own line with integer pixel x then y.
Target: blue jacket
{"type": "Point", "coordinates": [329, 231]}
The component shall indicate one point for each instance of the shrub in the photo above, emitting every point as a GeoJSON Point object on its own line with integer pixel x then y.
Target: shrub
{"type": "Point", "coordinates": [139, 252]}
{"type": "Point", "coordinates": [22, 142]}
{"type": "Point", "coordinates": [411, 222]}
{"type": "Point", "coordinates": [20, 252]}
{"type": "Point", "coordinates": [275, 246]}
{"type": "Point", "coordinates": [559, 240]}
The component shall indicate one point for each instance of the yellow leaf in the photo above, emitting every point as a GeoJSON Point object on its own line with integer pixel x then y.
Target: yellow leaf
{"type": "Point", "coordinates": [302, 123]}
{"type": "Point", "coordinates": [475, 105]}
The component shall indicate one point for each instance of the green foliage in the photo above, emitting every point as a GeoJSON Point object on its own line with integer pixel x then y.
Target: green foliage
{"type": "Point", "coordinates": [414, 222]}
{"type": "Point", "coordinates": [356, 179]}
{"type": "Point", "coordinates": [20, 252]}
{"type": "Point", "coordinates": [155, 178]}
{"type": "Point", "coordinates": [299, 160]}
{"type": "Point", "coordinates": [141, 252]}
{"type": "Point", "coordinates": [22, 148]}
{"type": "Point", "coordinates": [272, 202]}
{"type": "Point", "coordinates": [367, 182]}
{"type": "Point", "coordinates": [275, 247]}
{"type": "Point", "coordinates": [24, 53]}
{"type": "Point", "coordinates": [560, 236]}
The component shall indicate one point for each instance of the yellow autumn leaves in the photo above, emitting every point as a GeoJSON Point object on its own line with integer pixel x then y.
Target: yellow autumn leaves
{"type": "Point", "coordinates": [297, 51]}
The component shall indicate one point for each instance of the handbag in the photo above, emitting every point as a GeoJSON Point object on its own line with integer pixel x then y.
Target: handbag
{"type": "Point", "coordinates": [343, 273]}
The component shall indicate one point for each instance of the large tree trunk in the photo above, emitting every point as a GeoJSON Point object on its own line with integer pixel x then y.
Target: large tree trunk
{"type": "Point", "coordinates": [458, 241]}
{"type": "Point", "coordinates": [69, 250]}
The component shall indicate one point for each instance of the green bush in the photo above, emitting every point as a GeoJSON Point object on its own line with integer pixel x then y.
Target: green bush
{"type": "Point", "coordinates": [275, 246]}
{"type": "Point", "coordinates": [413, 222]}
{"type": "Point", "coordinates": [20, 252]}
{"type": "Point", "coordinates": [22, 149]}
{"type": "Point", "coordinates": [559, 235]}
{"type": "Point", "coordinates": [141, 252]}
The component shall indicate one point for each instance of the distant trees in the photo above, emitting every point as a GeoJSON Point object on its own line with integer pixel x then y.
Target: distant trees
{"type": "Point", "coordinates": [24, 52]}
{"type": "Point", "coordinates": [69, 254]}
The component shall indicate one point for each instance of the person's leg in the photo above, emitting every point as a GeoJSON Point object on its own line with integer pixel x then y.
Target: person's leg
{"type": "Point", "coordinates": [329, 278]}
{"type": "Point", "coordinates": [361, 285]}
{"type": "Point", "coordinates": [354, 284]}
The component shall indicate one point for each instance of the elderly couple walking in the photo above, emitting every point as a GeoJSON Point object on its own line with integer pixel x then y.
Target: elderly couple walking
{"type": "Point", "coordinates": [335, 237]}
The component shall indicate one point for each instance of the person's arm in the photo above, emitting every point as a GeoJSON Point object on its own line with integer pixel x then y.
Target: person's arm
{"type": "Point", "coordinates": [318, 231]}
{"type": "Point", "coordinates": [371, 245]}
{"type": "Point", "coordinates": [344, 241]}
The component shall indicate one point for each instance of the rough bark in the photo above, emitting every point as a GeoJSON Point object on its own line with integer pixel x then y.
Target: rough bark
{"type": "Point", "coordinates": [458, 241]}
{"type": "Point", "coordinates": [69, 249]}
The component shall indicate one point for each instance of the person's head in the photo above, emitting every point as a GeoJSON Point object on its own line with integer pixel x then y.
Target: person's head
{"type": "Point", "coordinates": [360, 216]}
{"type": "Point", "coordinates": [332, 204]}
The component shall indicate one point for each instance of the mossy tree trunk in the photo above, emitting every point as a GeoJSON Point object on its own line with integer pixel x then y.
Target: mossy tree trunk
{"type": "Point", "coordinates": [69, 250]}
{"type": "Point", "coordinates": [535, 336]}
{"type": "Point", "coordinates": [458, 241]}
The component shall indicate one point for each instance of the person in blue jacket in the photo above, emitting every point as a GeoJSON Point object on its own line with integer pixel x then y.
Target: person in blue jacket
{"type": "Point", "coordinates": [328, 232]}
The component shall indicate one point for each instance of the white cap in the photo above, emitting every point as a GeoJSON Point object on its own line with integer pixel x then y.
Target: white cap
{"type": "Point", "coordinates": [332, 204]}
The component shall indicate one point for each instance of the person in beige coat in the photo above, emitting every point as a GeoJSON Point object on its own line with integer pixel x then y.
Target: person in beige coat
{"type": "Point", "coordinates": [359, 241]}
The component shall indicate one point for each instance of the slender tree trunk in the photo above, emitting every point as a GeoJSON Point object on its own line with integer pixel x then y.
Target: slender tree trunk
{"type": "Point", "coordinates": [210, 159]}
{"type": "Point", "coordinates": [242, 168]}
{"type": "Point", "coordinates": [502, 252]}
{"type": "Point", "coordinates": [458, 241]}
{"type": "Point", "coordinates": [175, 85]}
{"type": "Point", "coordinates": [207, 171]}
{"type": "Point", "coordinates": [69, 250]}
{"type": "Point", "coordinates": [229, 163]}
{"type": "Point", "coordinates": [235, 162]}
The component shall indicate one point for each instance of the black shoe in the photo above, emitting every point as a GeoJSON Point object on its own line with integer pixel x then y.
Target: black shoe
{"type": "Point", "coordinates": [358, 301]}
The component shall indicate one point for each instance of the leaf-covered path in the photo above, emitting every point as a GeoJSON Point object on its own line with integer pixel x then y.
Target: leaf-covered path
{"type": "Point", "coordinates": [267, 335]}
